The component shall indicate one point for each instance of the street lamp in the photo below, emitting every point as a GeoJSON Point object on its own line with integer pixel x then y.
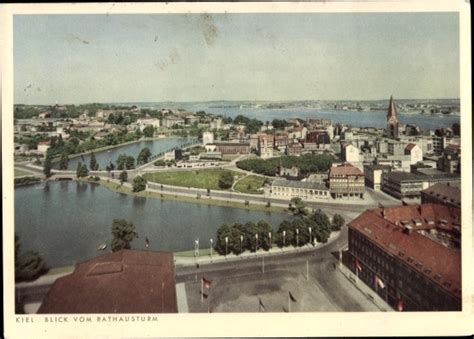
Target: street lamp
{"type": "Point", "coordinates": [241, 240]}
{"type": "Point", "coordinates": [309, 229]}
{"type": "Point", "coordinates": [196, 248]}
{"type": "Point", "coordinates": [284, 234]}
{"type": "Point", "coordinates": [211, 247]}
{"type": "Point", "coordinates": [270, 238]}
{"type": "Point", "coordinates": [256, 243]}
{"type": "Point", "coordinates": [297, 236]}
{"type": "Point", "coordinates": [226, 242]}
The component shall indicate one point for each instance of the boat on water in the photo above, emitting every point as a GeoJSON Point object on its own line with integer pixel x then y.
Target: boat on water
{"type": "Point", "coordinates": [102, 247]}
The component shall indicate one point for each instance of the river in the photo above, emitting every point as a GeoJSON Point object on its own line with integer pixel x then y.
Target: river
{"type": "Point", "coordinates": [105, 157]}
{"type": "Point", "coordinates": [66, 220]}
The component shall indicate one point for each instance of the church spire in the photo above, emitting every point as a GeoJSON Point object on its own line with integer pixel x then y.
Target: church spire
{"type": "Point", "coordinates": [392, 111]}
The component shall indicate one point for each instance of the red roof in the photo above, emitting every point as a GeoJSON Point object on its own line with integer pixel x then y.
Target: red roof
{"type": "Point", "coordinates": [409, 147]}
{"type": "Point", "coordinates": [438, 263]}
{"type": "Point", "coordinates": [47, 142]}
{"type": "Point", "coordinates": [126, 281]}
{"type": "Point", "coordinates": [344, 170]}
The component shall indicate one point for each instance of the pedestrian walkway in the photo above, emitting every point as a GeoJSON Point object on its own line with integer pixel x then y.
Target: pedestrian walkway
{"type": "Point", "coordinates": [364, 289]}
{"type": "Point", "coordinates": [216, 258]}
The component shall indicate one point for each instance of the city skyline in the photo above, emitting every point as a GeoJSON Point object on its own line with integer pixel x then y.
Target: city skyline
{"type": "Point", "coordinates": [233, 57]}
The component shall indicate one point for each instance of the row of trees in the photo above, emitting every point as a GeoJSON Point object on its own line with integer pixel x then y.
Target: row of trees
{"type": "Point", "coordinates": [307, 163]}
{"type": "Point", "coordinates": [299, 231]}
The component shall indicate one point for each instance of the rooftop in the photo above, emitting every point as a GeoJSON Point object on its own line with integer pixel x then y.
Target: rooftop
{"type": "Point", "coordinates": [230, 144]}
{"type": "Point", "coordinates": [126, 281]}
{"type": "Point", "coordinates": [423, 176]}
{"type": "Point", "coordinates": [438, 263]}
{"type": "Point", "coordinates": [299, 184]}
{"type": "Point", "coordinates": [344, 170]}
{"type": "Point", "coordinates": [444, 192]}
{"type": "Point", "coordinates": [377, 167]}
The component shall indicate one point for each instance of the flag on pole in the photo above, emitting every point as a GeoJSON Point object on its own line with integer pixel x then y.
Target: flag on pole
{"type": "Point", "coordinates": [147, 242]}
{"type": "Point", "coordinates": [291, 297]}
{"type": "Point", "coordinates": [206, 283]}
{"type": "Point", "coordinates": [379, 282]}
{"type": "Point", "coordinates": [400, 306]}
{"type": "Point", "coordinates": [358, 266]}
{"type": "Point", "coordinates": [260, 305]}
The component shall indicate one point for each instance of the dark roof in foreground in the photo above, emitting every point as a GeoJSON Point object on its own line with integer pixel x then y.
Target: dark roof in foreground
{"type": "Point", "coordinates": [448, 193]}
{"type": "Point", "coordinates": [126, 281]}
{"type": "Point", "coordinates": [440, 264]}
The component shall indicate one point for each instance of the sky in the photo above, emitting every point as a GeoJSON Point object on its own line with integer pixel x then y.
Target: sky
{"type": "Point", "coordinates": [73, 59]}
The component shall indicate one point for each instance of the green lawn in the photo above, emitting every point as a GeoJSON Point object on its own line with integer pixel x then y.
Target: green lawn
{"type": "Point", "coordinates": [198, 179]}
{"type": "Point", "coordinates": [20, 173]}
{"type": "Point", "coordinates": [250, 184]}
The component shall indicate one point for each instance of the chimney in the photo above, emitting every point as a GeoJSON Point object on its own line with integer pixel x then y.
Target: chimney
{"type": "Point", "coordinates": [408, 229]}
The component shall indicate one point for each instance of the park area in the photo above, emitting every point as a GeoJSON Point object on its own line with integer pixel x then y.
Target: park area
{"type": "Point", "coordinates": [206, 179]}
{"type": "Point", "coordinates": [251, 184]}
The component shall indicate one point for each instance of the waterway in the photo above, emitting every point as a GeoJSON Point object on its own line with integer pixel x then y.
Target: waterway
{"type": "Point", "coordinates": [66, 221]}
{"type": "Point", "coordinates": [357, 119]}
{"type": "Point", "coordinates": [105, 157]}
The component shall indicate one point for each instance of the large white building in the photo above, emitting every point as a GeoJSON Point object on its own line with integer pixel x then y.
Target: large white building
{"type": "Point", "coordinates": [308, 190]}
{"type": "Point", "coordinates": [415, 153]}
{"type": "Point", "coordinates": [144, 122]}
{"type": "Point", "coordinates": [351, 154]}
{"type": "Point", "coordinates": [207, 138]}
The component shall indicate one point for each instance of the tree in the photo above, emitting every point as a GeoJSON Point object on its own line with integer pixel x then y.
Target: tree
{"type": "Point", "coordinates": [110, 166]}
{"type": "Point", "coordinates": [47, 166]}
{"type": "Point", "coordinates": [226, 180]}
{"type": "Point", "coordinates": [81, 170]}
{"type": "Point", "coordinates": [125, 162]}
{"type": "Point", "coordinates": [64, 161]}
{"type": "Point", "coordinates": [322, 226]}
{"type": "Point", "coordinates": [28, 266]}
{"type": "Point", "coordinates": [149, 131]}
{"type": "Point", "coordinates": [139, 183]}
{"type": "Point", "coordinates": [94, 166]}
{"type": "Point", "coordinates": [123, 176]}
{"type": "Point", "coordinates": [297, 206]}
{"type": "Point", "coordinates": [123, 233]}
{"type": "Point", "coordinates": [222, 232]}
{"type": "Point", "coordinates": [337, 222]}
{"type": "Point", "coordinates": [144, 156]}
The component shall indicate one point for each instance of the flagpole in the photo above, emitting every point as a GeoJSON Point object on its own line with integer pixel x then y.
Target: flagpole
{"type": "Point", "coordinates": [162, 296]}
{"type": "Point", "coordinates": [202, 290]}
{"type": "Point", "coordinates": [307, 270]}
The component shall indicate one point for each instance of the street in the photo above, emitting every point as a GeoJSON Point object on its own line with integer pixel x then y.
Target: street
{"type": "Point", "coordinates": [264, 283]}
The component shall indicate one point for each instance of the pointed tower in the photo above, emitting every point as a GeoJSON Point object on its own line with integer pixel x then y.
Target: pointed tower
{"type": "Point", "coordinates": [392, 120]}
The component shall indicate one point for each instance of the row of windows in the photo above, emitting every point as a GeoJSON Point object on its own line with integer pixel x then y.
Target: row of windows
{"type": "Point", "coordinates": [418, 292]}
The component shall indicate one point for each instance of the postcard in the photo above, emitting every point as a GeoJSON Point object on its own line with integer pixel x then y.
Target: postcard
{"type": "Point", "coordinates": [237, 169]}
